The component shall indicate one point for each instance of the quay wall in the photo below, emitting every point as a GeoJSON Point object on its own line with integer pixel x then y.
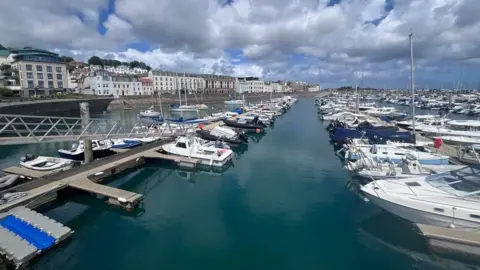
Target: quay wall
{"type": "Point", "coordinates": [167, 99]}
{"type": "Point", "coordinates": [55, 107]}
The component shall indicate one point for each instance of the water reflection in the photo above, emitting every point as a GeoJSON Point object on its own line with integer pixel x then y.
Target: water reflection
{"type": "Point", "coordinates": [384, 229]}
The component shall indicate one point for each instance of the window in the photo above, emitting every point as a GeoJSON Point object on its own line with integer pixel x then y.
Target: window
{"type": "Point", "coordinates": [50, 76]}
{"type": "Point", "coordinates": [59, 76]}
{"type": "Point", "coordinates": [49, 68]}
{"type": "Point", "coordinates": [40, 76]}
{"type": "Point", "coordinates": [413, 184]}
{"type": "Point", "coordinates": [29, 75]}
{"type": "Point", "coordinates": [30, 84]}
{"type": "Point", "coordinates": [181, 145]}
{"type": "Point", "coordinates": [58, 69]}
{"type": "Point", "coordinates": [50, 84]}
{"type": "Point", "coordinates": [475, 216]}
{"type": "Point", "coordinates": [60, 84]}
{"type": "Point", "coordinates": [39, 68]}
{"type": "Point", "coordinates": [40, 84]}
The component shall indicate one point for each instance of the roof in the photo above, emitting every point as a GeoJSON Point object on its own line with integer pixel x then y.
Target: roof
{"type": "Point", "coordinates": [33, 50]}
{"type": "Point", "coordinates": [4, 52]}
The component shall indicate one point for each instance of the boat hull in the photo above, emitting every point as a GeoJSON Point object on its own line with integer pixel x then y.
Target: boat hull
{"type": "Point", "coordinates": [421, 217]}
{"type": "Point", "coordinates": [81, 156]}
{"type": "Point", "coordinates": [207, 136]}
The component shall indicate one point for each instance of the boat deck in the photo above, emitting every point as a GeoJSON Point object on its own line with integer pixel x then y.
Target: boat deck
{"type": "Point", "coordinates": [219, 123]}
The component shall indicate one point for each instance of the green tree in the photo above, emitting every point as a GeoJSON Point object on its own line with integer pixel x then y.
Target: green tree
{"type": "Point", "coordinates": [95, 60]}
{"type": "Point", "coordinates": [5, 92]}
{"type": "Point", "coordinates": [67, 59]}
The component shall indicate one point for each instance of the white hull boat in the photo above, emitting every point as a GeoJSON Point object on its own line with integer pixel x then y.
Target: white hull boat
{"type": "Point", "coordinates": [193, 147]}
{"type": "Point", "coordinates": [234, 102]}
{"type": "Point", "coordinates": [189, 108]}
{"type": "Point", "coordinates": [150, 113]}
{"type": "Point", "coordinates": [41, 163]}
{"type": "Point", "coordinates": [460, 140]}
{"type": "Point", "coordinates": [445, 200]}
{"type": "Point", "coordinates": [100, 149]}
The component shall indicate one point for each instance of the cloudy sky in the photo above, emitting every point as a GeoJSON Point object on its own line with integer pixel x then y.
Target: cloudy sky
{"type": "Point", "coordinates": [320, 41]}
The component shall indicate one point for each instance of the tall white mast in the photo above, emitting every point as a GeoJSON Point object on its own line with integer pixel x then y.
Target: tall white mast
{"type": "Point", "coordinates": [185, 88]}
{"type": "Point", "coordinates": [412, 85]}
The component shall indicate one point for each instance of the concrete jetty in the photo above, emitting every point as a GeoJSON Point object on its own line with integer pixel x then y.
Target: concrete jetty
{"type": "Point", "coordinates": [87, 177]}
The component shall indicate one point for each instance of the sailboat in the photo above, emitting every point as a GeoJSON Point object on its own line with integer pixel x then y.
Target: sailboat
{"type": "Point", "coordinates": [151, 113]}
{"type": "Point", "coordinates": [186, 108]}
{"type": "Point", "coordinates": [234, 101]}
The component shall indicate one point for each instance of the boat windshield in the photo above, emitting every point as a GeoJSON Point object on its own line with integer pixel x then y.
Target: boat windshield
{"type": "Point", "coordinates": [463, 182]}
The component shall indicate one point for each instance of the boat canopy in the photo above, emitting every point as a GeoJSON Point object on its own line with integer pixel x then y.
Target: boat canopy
{"type": "Point", "coordinates": [464, 182]}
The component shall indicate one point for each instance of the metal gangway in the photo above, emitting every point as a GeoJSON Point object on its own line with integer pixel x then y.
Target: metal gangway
{"type": "Point", "coordinates": [29, 129]}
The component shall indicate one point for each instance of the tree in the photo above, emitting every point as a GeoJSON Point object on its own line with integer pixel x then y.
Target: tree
{"type": "Point", "coordinates": [5, 92]}
{"type": "Point", "coordinates": [67, 59]}
{"type": "Point", "coordinates": [95, 60]}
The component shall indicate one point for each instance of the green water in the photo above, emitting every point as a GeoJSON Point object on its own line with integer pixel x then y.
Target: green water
{"type": "Point", "coordinates": [285, 204]}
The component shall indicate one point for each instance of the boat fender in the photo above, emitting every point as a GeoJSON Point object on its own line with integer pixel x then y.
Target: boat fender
{"type": "Point", "coordinates": [122, 200]}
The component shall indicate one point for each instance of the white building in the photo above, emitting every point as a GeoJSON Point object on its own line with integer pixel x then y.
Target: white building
{"type": "Point", "coordinates": [103, 83]}
{"type": "Point", "coordinates": [171, 82]}
{"type": "Point", "coordinates": [252, 85]}
{"type": "Point", "coordinates": [267, 87]}
{"type": "Point", "coordinates": [313, 88]}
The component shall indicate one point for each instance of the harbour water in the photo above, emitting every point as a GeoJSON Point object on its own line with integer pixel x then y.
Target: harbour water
{"type": "Point", "coordinates": [286, 203]}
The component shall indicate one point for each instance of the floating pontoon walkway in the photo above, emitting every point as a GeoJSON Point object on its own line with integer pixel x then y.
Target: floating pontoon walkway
{"type": "Point", "coordinates": [25, 233]}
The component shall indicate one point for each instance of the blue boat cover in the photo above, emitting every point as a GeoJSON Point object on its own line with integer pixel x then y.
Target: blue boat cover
{"type": "Point", "coordinates": [29, 233]}
{"type": "Point", "coordinates": [375, 136]}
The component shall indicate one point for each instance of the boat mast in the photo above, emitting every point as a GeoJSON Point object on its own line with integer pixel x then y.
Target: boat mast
{"type": "Point", "coordinates": [179, 96]}
{"type": "Point", "coordinates": [412, 86]}
{"type": "Point", "coordinates": [356, 93]}
{"type": "Point", "coordinates": [185, 88]}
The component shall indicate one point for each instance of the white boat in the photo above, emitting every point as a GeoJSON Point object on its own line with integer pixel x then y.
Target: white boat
{"type": "Point", "coordinates": [100, 149]}
{"type": "Point", "coordinates": [419, 119]}
{"type": "Point", "coordinates": [466, 128]}
{"type": "Point", "coordinates": [460, 140]}
{"type": "Point", "coordinates": [150, 112]}
{"type": "Point", "coordinates": [234, 102]}
{"type": "Point", "coordinates": [194, 147]}
{"type": "Point", "coordinates": [188, 108]}
{"type": "Point", "coordinates": [381, 111]}
{"type": "Point", "coordinates": [391, 153]}
{"type": "Point", "coordinates": [407, 168]}
{"type": "Point", "coordinates": [42, 163]}
{"type": "Point", "coordinates": [448, 199]}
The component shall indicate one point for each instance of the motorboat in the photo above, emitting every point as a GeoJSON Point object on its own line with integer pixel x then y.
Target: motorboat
{"type": "Point", "coordinates": [391, 153]}
{"type": "Point", "coordinates": [193, 147]}
{"type": "Point", "coordinates": [408, 167]}
{"type": "Point", "coordinates": [100, 149]}
{"type": "Point", "coordinates": [383, 111]}
{"type": "Point", "coordinates": [125, 143]}
{"type": "Point", "coordinates": [234, 102]}
{"type": "Point", "coordinates": [460, 140]}
{"type": "Point", "coordinates": [142, 139]}
{"type": "Point", "coordinates": [8, 181]}
{"type": "Point", "coordinates": [150, 112]}
{"type": "Point", "coordinates": [188, 108]}
{"type": "Point", "coordinates": [253, 124]}
{"type": "Point", "coordinates": [41, 163]}
{"type": "Point", "coordinates": [449, 199]}
{"type": "Point", "coordinates": [466, 128]}
{"type": "Point", "coordinates": [418, 119]}
{"type": "Point", "coordinates": [223, 134]}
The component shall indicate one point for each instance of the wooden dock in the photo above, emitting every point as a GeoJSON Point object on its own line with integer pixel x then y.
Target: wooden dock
{"type": "Point", "coordinates": [86, 177]}
{"type": "Point", "coordinates": [451, 240]}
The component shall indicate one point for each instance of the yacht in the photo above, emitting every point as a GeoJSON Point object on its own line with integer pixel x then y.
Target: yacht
{"type": "Point", "coordinates": [194, 147]}
{"type": "Point", "coordinates": [466, 128]}
{"type": "Point", "coordinates": [100, 149]}
{"type": "Point", "coordinates": [449, 199]}
{"type": "Point", "coordinates": [150, 112]}
{"type": "Point", "coordinates": [419, 119]}
{"type": "Point", "coordinates": [187, 108]}
{"type": "Point", "coordinates": [383, 111]}
{"type": "Point", "coordinates": [390, 153]}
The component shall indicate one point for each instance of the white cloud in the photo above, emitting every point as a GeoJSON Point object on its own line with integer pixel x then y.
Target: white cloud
{"type": "Point", "coordinates": [334, 41]}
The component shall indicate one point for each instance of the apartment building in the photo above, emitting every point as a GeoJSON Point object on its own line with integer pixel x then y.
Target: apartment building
{"type": "Point", "coordinates": [104, 83]}
{"type": "Point", "coordinates": [252, 85]}
{"type": "Point", "coordinates": [39, 72]}
{"type": "Point", "coordinates": [147, 86]}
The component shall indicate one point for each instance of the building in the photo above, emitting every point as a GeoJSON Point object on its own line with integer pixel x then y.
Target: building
{"type": "Point", "coordinates": [122, 69]}
{"type": "Point", "coordinates": [267, 87]}
{"type": "Point", "coordinates": [147, 86]}
{"type": "Point", "coordinates": [252, 85]}
{"type": "Point", "coordinates": [313, 88]}
{"type": "Point", "coordinates": [3, 56]}
{"type": "Point", "coordinates": [104, 83]}
{"type": "Point", "coordinates": [38, 72]}
{"type": "Point", "coordinates": [172, 82]}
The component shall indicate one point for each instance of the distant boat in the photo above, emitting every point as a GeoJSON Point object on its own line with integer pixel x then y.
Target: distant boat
{"type": "Point", "coordinates": [187, 108]}
{"type": "Point", "coordinates": [150, 113]}
{"type": "Point", "coordinates": [100, 149]}
{"type": "Point", "coordinates": [234, 102]}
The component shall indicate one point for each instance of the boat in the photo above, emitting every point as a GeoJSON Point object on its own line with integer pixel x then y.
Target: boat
{"type": "Point", "coordinates": [466, 128]}
{"type": "Point", "coordinates": [234, 102]}
{"type": "Point", "coordinates": [449, 199]}
{"type": "Point", "coordinates": [41, 163]}
{"type": "Point", "coordinates": [408, 167]}
{"type": "Point", "coordinates": [187, 108]}
{"type": "Point", "coordinates": [8, 181]}
{"type": "Point", "coordinates": [100, 149]}
{"type": "Point", "coordinates": [253, 124]}
{"type": "Point", "coordinates": [193, 147]}
{"type": "Point", "coordinates": [419, 119]}
{"type": "Point", "coordinates": [125, 143]}
{"type": "Point", "coordinates": [150, 113]}
{"type": "Point", "coordinates": [460, 140]}
{"type": "Point", "coordinates": [227, 135]}
{"type": "Point", "coordinates": [391, 153]}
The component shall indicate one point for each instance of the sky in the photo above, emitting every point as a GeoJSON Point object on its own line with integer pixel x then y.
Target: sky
{"type": "Point", "coordinates": [330, 42]}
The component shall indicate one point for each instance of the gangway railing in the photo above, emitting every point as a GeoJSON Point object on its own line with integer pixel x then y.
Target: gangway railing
{"type": "Point", "coordinates": [28, 129]}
